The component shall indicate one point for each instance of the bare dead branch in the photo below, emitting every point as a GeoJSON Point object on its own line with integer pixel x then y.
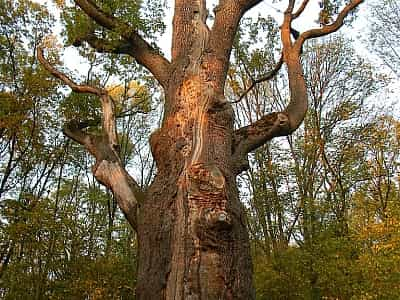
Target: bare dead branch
{"type": "Point", "coordinates": [75, 87]}
{"type": "Point", "coordinates": [108, 169]}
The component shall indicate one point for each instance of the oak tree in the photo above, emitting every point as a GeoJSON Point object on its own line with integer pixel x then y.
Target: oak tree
{"type": "Point", "coordinates": [191, 227]}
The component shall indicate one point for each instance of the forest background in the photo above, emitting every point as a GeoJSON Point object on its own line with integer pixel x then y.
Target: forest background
{"type": "Point", "coordinates": [322, 204]}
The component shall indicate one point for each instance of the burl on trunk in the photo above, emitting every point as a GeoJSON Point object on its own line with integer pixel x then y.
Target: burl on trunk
{"type": "Point", "coordinates": [191, 226]}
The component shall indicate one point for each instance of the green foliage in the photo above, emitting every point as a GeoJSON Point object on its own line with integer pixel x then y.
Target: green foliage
{"type": "Point", "coordinates": [146, 16]}
{"type": "Point", "coordinates": [351, 256]}
{"type": "Point", "coordinates": [318, 200]}
{"type": "Point", "coordinates": [61, 235]}
{"type": "Point", "coordinates": [322, 205]}
{"type": "Point", "coordinates": [64, 251]}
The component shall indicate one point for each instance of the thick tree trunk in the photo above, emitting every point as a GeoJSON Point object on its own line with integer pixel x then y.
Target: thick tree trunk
{"type": "Point", "coordinates": [193, 241]}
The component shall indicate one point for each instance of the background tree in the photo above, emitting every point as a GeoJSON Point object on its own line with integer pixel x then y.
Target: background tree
{"type": "Point", "coordinates": [321, 206]}
{"type": "Point", "coordinates": [192, 237]}
{"type": "Point", "coordinates": [61, 234]}
{"type": "Point", "coordinates": [330, 160]}
{"type": "Point", "coordinates": [384, 34]}
{"type": "Point", "coordinates": [300, 188]}
{"type": "Point", "coordinates": [28, 159]}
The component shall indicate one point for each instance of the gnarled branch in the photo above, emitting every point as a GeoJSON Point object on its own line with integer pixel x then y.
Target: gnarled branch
{"type": "Point", "coordinates": [108, 169]}
{"type": "Point", "coordinates": [251, 137]}
{"type": "Point", "coordinates": [75, 87]}
{"type": "Point", "coordinates": [142, 51]}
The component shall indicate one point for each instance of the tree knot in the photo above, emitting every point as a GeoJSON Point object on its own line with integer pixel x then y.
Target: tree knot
{"type": "Point", "coordinates": [213, 227]}
{"type": "Point", "coordinates": [283, 120]}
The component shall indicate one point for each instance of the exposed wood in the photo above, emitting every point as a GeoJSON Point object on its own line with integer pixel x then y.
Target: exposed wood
{"type": "Point", "coordinates": [108, 169]}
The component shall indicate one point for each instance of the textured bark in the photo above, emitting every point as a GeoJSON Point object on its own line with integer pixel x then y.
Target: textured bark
{"type": "Point", "coordinates": [191, 226]}
{"type": "Point", "coordinates": [192, 232]}
{"type": "Point", "coordinates": [193, 241]}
